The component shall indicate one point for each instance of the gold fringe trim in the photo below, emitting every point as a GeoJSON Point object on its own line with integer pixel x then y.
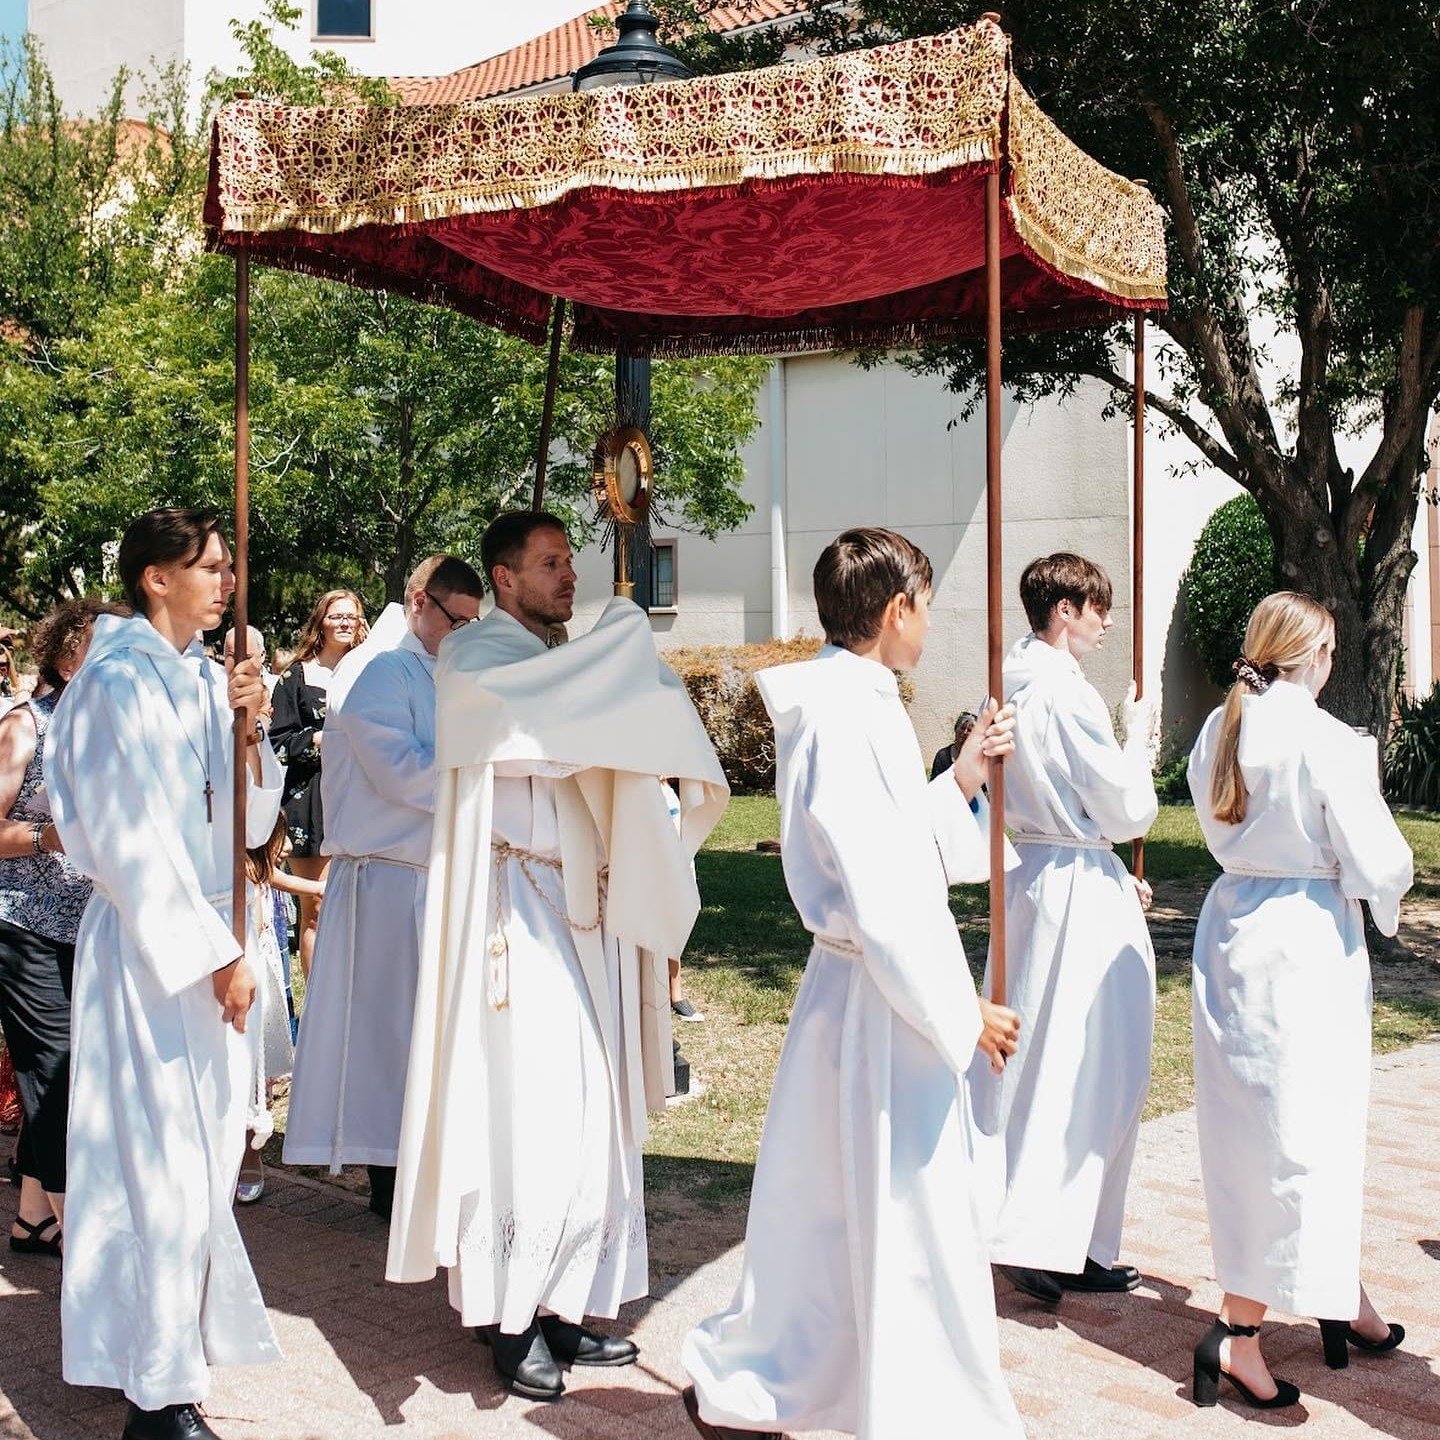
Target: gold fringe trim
{"type": "Point", "coordinates": [635, 181]}
{"type": "Point", "coordinates": [1069, 265]}
{"type": "Point", "coordinates": [1079, 219]}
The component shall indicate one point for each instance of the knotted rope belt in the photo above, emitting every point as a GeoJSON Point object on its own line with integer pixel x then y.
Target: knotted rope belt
{"type": "Point", "coordinates": [498, 986]}
{"type": "Point", "coordinates": [1066, 842]}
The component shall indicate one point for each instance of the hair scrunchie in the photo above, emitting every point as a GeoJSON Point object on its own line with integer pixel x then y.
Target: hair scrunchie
{"type": "Point", "coordinates": [1258, 677]}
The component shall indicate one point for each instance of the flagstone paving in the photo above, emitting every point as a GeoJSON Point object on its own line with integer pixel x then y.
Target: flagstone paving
{"type": "Point", "coordinates": [366, 1360]}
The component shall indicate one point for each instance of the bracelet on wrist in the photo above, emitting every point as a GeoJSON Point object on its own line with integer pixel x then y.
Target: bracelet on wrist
{"type": "Point", "coordinates": [37, 837]}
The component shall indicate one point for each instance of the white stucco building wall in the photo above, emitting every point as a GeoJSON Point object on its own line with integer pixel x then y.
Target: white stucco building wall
{"type": "Point", "coordinates": [87, 41]}
{"type": "Point", "coordinates": [878, 447]}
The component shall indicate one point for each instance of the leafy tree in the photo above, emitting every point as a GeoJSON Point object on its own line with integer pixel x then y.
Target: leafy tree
{"type": "Point", "coordinates": [1295, 146]}
{"type": "Point", "coordinates": [381, 429]}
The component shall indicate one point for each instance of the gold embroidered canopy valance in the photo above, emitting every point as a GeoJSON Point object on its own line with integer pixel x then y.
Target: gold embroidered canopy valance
{"type": "Point", "coordinates": [829, 204]}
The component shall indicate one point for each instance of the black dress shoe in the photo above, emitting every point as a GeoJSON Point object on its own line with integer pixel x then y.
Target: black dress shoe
{"type": "Point", "coordinates": [525, 1361]}
{"type": "Point", "coordinates": [382, 1189]}
{"type": "Point", "coordinates": [1098, 1280]}
{"type": "Point", "coordinates": [170, 1422]}
{"type": "Point", "coordinates": [720, 1432]}
{"type": "Point", "coordinates": [1038, 1284]}
{"type": "Point", "coordinates": [575, 1345]}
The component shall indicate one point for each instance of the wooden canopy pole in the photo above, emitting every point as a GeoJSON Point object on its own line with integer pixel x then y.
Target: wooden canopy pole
{"type": "Point", "coordinates": [241, 617]}
{"type": "Point", "coordinates": [994, 580]}
{"type": "Point", "coordinates": [1137, 555]}
{"type": "Point", "coordinates": [547, 415]}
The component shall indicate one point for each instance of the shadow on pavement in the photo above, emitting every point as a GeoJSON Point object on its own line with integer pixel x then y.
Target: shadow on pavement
{"type": "Point", "coordinates": [1394, 1394]}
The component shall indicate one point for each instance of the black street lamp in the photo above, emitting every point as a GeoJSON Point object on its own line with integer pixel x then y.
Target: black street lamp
{"type": "Point", "coordinates": [636, 58]}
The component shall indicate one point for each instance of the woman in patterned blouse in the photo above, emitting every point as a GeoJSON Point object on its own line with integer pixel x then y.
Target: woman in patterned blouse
{"type": "Point", "coordinates": [41, 900]}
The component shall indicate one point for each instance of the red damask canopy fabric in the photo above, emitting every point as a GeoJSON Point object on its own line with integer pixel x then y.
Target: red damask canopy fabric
{"type": "Point", "coordinates": [832, 204]}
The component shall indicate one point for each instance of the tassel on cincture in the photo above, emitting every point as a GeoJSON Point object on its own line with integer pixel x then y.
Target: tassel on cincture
{"type": "Point", "coordinates": [499, 972]}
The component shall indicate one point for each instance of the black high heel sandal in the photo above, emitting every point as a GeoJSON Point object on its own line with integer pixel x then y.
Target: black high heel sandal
{"type": "Point", "coordinates": [1205, 1388]}
{"type": "Point", "coordinates": [34, 1242]}
{"type": "Point", "coordinates": [1337, 1336]}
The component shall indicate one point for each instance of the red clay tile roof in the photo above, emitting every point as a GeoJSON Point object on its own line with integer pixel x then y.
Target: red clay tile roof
{"type": "Point", "coordinates": [560, 52]}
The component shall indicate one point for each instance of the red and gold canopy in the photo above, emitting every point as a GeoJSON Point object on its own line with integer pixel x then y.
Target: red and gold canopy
{"type": "Point", "coordinates": [825, 205]}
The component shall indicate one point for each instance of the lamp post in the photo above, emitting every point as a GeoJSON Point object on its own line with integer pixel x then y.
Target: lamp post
{"type": "Point", "coordinates": [636, 58]}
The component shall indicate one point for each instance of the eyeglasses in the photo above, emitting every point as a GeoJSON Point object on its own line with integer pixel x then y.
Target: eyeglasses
{"type": "Point", "coordinates": [342, 619]}
{"type": "Point", "coordinates": [457, 622]}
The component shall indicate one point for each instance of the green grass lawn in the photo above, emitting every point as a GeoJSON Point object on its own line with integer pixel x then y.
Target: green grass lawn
{"type": "Point", "coordinates": [748, 952]}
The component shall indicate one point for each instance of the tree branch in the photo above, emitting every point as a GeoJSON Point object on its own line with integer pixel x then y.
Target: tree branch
{"type": "Point", "coordinates": [1206, 443]}
{"type": "Point", "coordinates": [1405, 412]}
{"type": "Point", "coordinates": [1227, 360]}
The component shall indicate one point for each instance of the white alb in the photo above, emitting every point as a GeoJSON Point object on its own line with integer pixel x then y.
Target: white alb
{"type": "Point", "coordinates": [865, 1304]}
{"type": "Point", "coordinates": [378, 789]}
{"type": "Point", "coordinates": [1282, 1000]}
{"type": "Point", "coordinates": [156, 1282]}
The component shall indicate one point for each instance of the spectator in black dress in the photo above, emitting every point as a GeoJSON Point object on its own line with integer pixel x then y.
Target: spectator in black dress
{"type": "Point", "coordinates": [41, 901]}
{"type": "Point", "coordinates": [945, 755]}
{"type": "Point", "coordinates": [336, 625]}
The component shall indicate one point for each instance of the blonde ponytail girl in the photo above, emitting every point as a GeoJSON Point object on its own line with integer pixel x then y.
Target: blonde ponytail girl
{"type": "Point", "coordinates": [1284, 632]}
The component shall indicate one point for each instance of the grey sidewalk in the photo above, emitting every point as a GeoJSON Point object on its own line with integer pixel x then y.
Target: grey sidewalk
{"type": "Point", "coordinates": [366, 1359]}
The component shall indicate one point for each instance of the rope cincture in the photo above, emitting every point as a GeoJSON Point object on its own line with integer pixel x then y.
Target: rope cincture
{"type": "Point", "coordinates": [498, 984]}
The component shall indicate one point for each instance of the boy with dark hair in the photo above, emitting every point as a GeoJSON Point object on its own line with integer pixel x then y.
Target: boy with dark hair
{"type": "Point", "coordinates": [1080, 967]}
{"type": "Point", "coordinates": [866, 1302]}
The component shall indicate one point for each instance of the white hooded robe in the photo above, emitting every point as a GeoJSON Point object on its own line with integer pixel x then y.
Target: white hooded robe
{"type": "Point", "coordinates": [535, 1057]}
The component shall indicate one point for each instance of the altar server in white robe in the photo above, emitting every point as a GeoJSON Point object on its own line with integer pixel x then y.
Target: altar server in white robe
{"type": "Point", "coordinates": [157, 1285]}
{"type": "Point", "coordinates": [378, 791]}
{"type": "Point", "coordinates": [559, 887]}
{"type": "Point", "coordinates": [866, 1304]}
{"type": "Point", "coordinates": [1080, 967]}
{"type": "Point", "coordinates": [1289, 801]}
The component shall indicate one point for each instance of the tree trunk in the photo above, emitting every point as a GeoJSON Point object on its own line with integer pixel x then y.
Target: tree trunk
{"type": "Point", "coordinates": [1365, 593]}
{"type": "Point", "coordinates": [400, 564]}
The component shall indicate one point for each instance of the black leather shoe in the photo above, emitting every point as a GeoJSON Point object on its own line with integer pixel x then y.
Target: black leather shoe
{"type": "Point", "coordinates": [382, 1189]}
{"type": "Point", "coordinates": [1098, 1280]}
{"type": "Point", "coordinates": [575, 1345]}
{"type": "Point", "coordinates": [1038, 1284]}
{"type": "Point", "coordinates": [170, 1422]}
{"type": "Point", "coordinates": [525, 1361]}
{"type": "Point", "coordinates": [720, 1432]}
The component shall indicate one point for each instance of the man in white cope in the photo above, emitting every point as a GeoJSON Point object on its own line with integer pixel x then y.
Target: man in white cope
{"type": "Point", "coordinates": [1081, 970]}
{"type": "Point", "coordinates": [378, 793]}
{"type": "Point", "coordinates": [866, 1304]}
{"type": "Point", "coordinates": [157, 1285]}
{"type": "Point", "coordinates": [559, 888]}
{"type": "Point", "coordinates": [1289, 800]}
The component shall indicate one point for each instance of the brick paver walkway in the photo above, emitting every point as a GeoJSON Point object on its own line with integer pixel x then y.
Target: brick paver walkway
{"type": "Point", "coordinates": [364, 1359]}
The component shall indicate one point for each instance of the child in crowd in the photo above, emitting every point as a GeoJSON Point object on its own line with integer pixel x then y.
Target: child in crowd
{"type": "Point", "coordinates": [273, 1025]}
{"type": "Point", "coordinates": [866, 1303]}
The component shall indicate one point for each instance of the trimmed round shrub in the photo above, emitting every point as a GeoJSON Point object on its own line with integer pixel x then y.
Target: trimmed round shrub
{"type": "Point", "coordinates": [1231, 571]}
{"type": "Point", "coordinates": [721, 682]}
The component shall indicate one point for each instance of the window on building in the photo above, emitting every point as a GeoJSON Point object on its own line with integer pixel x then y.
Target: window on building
{"type": "Point", "coordinates": [344, 19]}
{"type": "Point", "coordinates": [663, 590]}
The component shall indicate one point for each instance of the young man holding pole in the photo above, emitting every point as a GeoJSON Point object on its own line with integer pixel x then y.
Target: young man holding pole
{"type": "Point", "coordinates": [1081, 968]}
{"type": "Point", "coordinates": [157, 1285]}
{"type": "Point", "coordinates": [866, 1299]}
